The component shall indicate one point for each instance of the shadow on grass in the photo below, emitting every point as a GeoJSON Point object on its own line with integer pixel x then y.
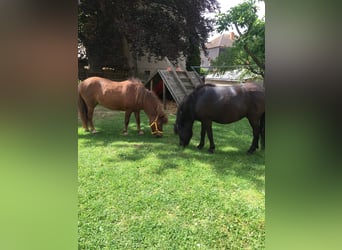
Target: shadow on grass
{"type": "Point", "coordinates": [229, 159]}
{"type": "Point", "coordinates": [224, 163]}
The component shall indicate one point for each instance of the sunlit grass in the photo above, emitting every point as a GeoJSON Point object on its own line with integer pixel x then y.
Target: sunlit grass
{"type": "Point", "coordinates": [137, 191]}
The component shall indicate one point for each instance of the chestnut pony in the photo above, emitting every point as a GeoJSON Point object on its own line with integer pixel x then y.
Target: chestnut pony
{"type": "Point", "coordinates": [130, 96]}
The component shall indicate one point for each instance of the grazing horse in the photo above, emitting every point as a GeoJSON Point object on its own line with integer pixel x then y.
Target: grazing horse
{"type": "Point", "coordinates": [222, 104]}
{"type": "Point", "coordinates": [130, 96]}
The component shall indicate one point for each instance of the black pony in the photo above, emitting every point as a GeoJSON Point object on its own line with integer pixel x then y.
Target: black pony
{"type": "Point", "coordinates": [222, 104]}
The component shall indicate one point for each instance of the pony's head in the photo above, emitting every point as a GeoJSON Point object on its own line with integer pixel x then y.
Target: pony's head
{"type": "Point", "coordinates": [153, 108]}
{"type": "Point", "coordinates": [157, 124]}
{"type": "Point", "coordinates": [183, 125]}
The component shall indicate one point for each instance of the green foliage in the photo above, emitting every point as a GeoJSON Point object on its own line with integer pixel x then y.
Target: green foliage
{"type": "Point", "coordinates": [160, 28]}
{"type": "Point", "coordinates": [230, 58]}
{"type": "Point", "coordinates": [194, 58]}
{"type": "Point", "coordinates": [203, 71]}
{"type": "Point", "coordinates": [139, 192]}
{"type": "Point", "coordinates": [249, 46]}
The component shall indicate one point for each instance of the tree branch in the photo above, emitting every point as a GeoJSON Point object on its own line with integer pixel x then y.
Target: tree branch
{"type": "Point", "coordinates": [251, 69]}
{"type": "Point", "coordinates": [237, 29]}
{"type": "Point", "coordinates": [255, 59]}
{"type": "Point", "coordinates": [248, 51]}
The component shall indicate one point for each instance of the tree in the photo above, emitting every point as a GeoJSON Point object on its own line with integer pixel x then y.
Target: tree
{"type": "Point", "coordinates": [193, 58]}
{"type": "Point", "coordinates": [116, 33]}
{"type": "Point", "coordinates": [249, 46]}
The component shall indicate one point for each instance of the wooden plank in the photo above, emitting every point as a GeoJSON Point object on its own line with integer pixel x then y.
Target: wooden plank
{"type": "Point", "coordinates": [174, 73]}
{"type": "Point", "coordinates": [179, 83]}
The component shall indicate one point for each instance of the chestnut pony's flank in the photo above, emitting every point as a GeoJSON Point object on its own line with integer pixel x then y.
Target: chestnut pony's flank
{"type": "Point", "coordinates": [130, 96]}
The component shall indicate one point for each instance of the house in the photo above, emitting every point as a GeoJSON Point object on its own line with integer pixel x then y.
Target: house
{"type": "Point", "coordinates": [215, 47]}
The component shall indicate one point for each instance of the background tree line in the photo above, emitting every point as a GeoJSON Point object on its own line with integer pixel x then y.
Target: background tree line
{"type": "Point", "coordinates": [117, 33]}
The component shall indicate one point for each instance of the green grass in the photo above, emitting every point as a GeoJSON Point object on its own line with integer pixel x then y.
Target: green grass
{"type": "Point", "coordinates": [140, 192]}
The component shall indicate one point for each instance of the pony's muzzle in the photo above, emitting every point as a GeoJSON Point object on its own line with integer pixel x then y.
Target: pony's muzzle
{"type": "Point", "coordinates": [157, 134]}
{"type": "Point", "coordinates": [175, 129]}
{"type": "Point", "coordinates": [155, 129]}
{"type": "Point", "coordinates": [181, 143]}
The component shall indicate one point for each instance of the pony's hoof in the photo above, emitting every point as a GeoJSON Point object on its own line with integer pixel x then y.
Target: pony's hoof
{"type": "Point", "coordinates": [200, 146]}
{"type": "Point", "coordinates": [140, 132]}
{"type": "Point", "coordinates": [250, 152]}
{"type": "Point", "coordinates": [125, 133]}
{"type": "Point", "coordinates": [211, 150]}
{"type": "Point", "coordinates": [94, 131]}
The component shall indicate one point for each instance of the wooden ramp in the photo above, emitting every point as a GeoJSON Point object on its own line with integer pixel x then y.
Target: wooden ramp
{"type": "Point", "coordinates": [179, 83]}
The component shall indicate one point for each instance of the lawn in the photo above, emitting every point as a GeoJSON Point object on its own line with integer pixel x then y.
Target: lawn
{"type": "Point", "coordinates": [141, 192]}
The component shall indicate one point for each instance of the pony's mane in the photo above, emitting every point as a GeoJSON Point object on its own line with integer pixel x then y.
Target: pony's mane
{"type": "Point", "coordinates": [153, 95]}
{"type": "Point", "coordinates": [209, 85]}
{"type": "Point", "coordinates": [188, 103]}
{"type": "Point", "coordinates": [193, 94]}
{"type": "Point", "coordinates": [198, 88]}
{"type": "Point", "coordinates": [159, 111]}
{"type": "Point", "coordinates": [203, 86]}
{"type": "Point", "coordinates": [143, 93]}
{"type": "Point", "coordinates": [135, 80]}
{"type": "Point", "coordinates": [140, 89]}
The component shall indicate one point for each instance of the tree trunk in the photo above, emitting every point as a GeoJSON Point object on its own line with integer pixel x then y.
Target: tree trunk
{"type": "Point", "coordinates": [94, 62]}
{"type": "Point", "coordinates": [255, 59]}
{"type": "Point", "coordinates": [131, 60]}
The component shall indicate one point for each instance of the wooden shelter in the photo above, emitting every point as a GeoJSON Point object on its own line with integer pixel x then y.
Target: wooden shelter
{"type": "Point", "coordinates": [173, 83]}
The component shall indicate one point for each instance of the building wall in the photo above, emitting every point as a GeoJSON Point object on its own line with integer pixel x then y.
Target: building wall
{"type": "Point", "coordinates": [146, 68]}
{"type": "Point", "coordinates": [212, 54]}
{"type": "Point", "coordinates": [215, 47]}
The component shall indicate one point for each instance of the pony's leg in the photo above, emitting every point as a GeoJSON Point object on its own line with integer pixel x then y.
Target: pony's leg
{"type": "Point", "coordinates": [255, 123]}
{"type": "Point", "coordinates": [137, 119]}
{"type": "Point", "coordinates": [90, 118]}
{"type": "Point", "coordinates": [262, 131]}
{"type": "Point", "coordinates": [85, 124]}
{"type": "Point", "coordinates": [127, 116]}
{"type": "Point", "coordinates": [210, 136]}
{"type": "Point", "coordinates": [83, 112]}
{"type": "Point", "coordinates": [203, 130]}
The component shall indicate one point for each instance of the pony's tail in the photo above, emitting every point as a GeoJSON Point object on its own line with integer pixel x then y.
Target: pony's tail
{"type": "Point", "coordinates": [262, 131]}
{"type": "Point", "coordinates": [83, 110]}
